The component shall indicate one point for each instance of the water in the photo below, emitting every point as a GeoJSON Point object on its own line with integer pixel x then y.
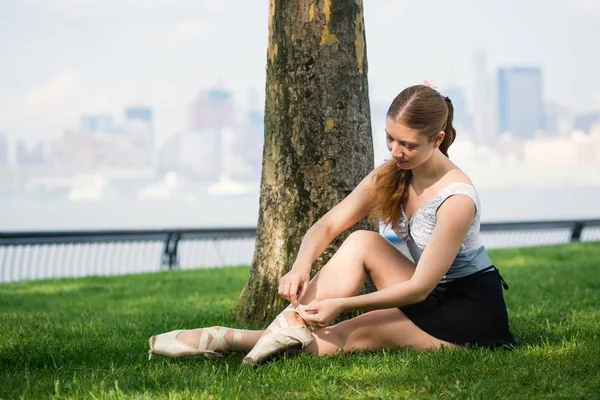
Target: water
{"type": "Point", "coordinates": [498, 205]}
{"type": "Point", "coordinates": [68, 260]}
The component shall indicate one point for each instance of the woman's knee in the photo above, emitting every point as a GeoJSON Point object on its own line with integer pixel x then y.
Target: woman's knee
{"type": "Point", "coordinates": [361, 239]}
{"type": "Point", "coordinates": [363, 235]}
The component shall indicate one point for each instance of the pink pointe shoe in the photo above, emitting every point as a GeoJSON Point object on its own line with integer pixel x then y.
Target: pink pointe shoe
{"type": "Point", "coordinates": [280, 338]}
{"type": "Point", "coordinates": [167, 344]}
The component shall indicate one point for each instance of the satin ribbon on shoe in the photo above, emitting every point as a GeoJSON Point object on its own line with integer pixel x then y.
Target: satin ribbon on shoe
{"type": "Point", "coordinates": [168, 345]}
{"type": "Point", "coordinates": [280, 338]}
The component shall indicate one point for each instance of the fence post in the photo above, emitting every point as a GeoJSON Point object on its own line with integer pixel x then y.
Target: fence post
{"type": "Point", "coordinates": [170, 258]}
{"type": "Point", "coordinates": [577, 228]}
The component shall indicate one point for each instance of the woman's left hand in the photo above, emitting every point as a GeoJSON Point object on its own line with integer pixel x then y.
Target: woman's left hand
{"type": "Point", "coordinates": [319, 314]}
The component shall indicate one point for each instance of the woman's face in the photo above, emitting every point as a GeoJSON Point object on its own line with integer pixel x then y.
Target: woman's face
{"type": "Point", "coordinates": [406, 146]}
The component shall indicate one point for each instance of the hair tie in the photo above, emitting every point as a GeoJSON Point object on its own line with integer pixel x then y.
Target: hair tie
{"type": "Point", "coordinates": [447, 99]}
{"type": "Point", "coordinates": [432, 85]}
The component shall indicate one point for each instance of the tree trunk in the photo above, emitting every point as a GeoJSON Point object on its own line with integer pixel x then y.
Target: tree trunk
{"type": "Point", "coordinates": [318, 144]}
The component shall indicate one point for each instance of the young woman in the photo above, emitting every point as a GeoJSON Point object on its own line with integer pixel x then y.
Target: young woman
{"type": "Point", "coordinates": [449, 295]}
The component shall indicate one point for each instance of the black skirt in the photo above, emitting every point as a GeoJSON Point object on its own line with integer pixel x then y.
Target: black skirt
{"type": "Point", "coordinates": [468, 311]}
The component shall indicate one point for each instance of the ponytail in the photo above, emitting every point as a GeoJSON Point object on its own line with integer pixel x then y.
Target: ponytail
{"type": "Point", "coordinates": [450, 132]}
{"type": "Point", "coordinates": [389, 189]}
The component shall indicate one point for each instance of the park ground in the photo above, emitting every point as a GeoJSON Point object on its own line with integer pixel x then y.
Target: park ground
{"type": "Point", "coordinates": [88, 339]}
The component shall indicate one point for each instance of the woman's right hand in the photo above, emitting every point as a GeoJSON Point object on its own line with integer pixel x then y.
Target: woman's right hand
{"type": "Point", "coordinates": [293, 285]}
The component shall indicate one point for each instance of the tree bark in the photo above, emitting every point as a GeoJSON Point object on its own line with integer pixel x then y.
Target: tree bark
{"type": "Point", "coordinates": [318, 144]}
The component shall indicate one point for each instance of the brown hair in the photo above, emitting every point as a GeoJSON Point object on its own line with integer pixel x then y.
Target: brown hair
{"type": "Point", "coordinates": [425, 110]}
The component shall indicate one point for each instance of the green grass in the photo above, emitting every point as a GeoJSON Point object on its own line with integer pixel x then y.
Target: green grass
{"type": "Point", "coordinates": [87, 338]}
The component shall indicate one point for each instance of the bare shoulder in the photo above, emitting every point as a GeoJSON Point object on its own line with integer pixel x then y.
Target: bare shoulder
{"type": "Point", "coordinates": [457, 175]}
{"type": "Point", "coordinates": [457, 208]}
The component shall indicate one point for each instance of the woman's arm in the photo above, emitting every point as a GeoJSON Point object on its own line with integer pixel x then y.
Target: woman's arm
{"type": "Point", "coordinates": [453, 219]}
{"type": "Point", "coordinates": [341, 217]}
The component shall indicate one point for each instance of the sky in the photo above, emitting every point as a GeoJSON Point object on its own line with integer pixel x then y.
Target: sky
{"type": "Point", "coordinates": [60, 59]}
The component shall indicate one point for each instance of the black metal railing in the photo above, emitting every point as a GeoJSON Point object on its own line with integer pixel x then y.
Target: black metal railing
{"type": "Point", "coordinates": [34, 255]}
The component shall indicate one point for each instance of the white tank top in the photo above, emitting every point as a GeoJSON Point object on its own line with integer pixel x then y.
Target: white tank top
{"type": "Point", "coordinates": [416, 232]}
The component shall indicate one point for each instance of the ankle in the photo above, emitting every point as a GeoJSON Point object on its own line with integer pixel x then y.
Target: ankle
{"type": "Point", "coordinates": [295, 319]}
{"type": "Point", "coordinates": [294, 316]}
{"type": "Point", "coordinates": [230, 335]}
{"type": "Point", "coordinates": [286, 318]}
{"type": "Point", "coordinates": [192, 337]}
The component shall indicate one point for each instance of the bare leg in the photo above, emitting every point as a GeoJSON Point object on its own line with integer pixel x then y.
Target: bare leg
{"type": "Point", "coordinates": [380, 329]}
{"type": "Point", "coordinates": [375, 330]}
{"type": "Point", "coordinates": [248, 339]}
{"type": "Point", "coordinates": [343, 276]}
{"type": "Point", "coordinates": [362, 253]}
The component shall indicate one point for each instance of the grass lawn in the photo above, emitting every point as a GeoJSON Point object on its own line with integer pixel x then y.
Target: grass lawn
{"type": "Point", "coordinates": [88, 338]}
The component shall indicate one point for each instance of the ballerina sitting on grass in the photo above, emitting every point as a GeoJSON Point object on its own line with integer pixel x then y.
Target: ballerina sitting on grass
{"type": "Point", "coordinates": [451, 295]}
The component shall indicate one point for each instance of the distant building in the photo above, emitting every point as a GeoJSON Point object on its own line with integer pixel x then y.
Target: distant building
{"type": "Point", "coordinates": [213, 109]}
{"type": "Point", "coordinates": [192, 156]}
{"type": "Point", "coordinates": [585, 122]}
{"type": "Point", "coordinates": [558, 120]}
{"type": "Point", "coordinates": [3, 150]}
{"type": "Point", "coordinates": [199, 155]}
{"type": "Point", "coordinates": [76, 151]}
{"type": "Point", "coordinates": [207, 142]}
{"type": "Point", "coordinates": [169, 155]}
{"type": "Point", "coordinates": [483, 124]}
{"type": "Point", "coordinates": [98, 123]}
{"type": "Point", "coordinates": [520, 107]}
{"type": "Point", "coordinates": [248, 145]}
{"type": "Point", "coordinates": [30, 156]}
{"type": "Point", "coordinates": [138, 128]}
{"type": "Point", "coordinates": [140, 113]}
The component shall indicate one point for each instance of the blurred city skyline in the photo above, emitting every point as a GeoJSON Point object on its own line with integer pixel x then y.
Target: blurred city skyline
{"type": "Point", "coordinates": [145, 100]}
{"type": "Point", "coordinates": [67, 58]}
{"type": "Point", "coordinates": [118, 112]}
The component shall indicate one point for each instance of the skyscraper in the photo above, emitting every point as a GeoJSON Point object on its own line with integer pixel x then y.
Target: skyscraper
{"type": "Point", "coordinates": [584, 122]}
{"type": "Point", "coordinates": [211, 122]}
{"type": "Point", "coordinates": [98, 123]}
{"type": "Point", "coordinates": [140, 113]}
{"type": "Point", "coordinates": [520, 107]}
{"type": "Point", "coordinates": [30, 156]}
{"type": "Point", "coordinates": [484, 102]}
{"type": "Point", "coordinates": [3, 150]}
{"type": "Point", "coordinates": [558, 120]}
{"type": "Point", "coordinates": [138, 128]}
{"type": "Point", "coordinates": [213, 108]}
{"type": "Point", "coordinates": [480, 95]}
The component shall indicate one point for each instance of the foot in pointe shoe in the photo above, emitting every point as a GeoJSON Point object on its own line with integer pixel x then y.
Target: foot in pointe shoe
{"type": "Point", "coordinates": [168, 345]}
{"type": "Point", "coordinates": [280, 338]}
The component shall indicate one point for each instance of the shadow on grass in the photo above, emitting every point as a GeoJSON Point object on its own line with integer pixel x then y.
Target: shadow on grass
{"type": "Point", "coordinates": [479, 373]}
